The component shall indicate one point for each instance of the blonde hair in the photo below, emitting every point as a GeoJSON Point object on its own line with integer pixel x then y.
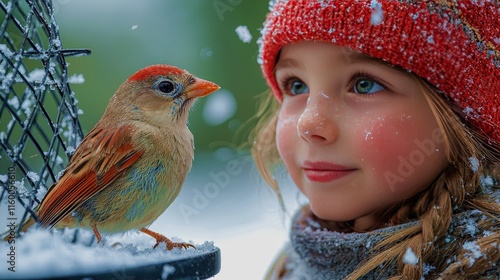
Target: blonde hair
{"type": "Point", "coordinates": [457, 188]}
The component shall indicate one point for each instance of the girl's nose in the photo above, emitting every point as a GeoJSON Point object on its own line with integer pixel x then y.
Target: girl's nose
{"type": "Point", "coordinates": [316, 123]}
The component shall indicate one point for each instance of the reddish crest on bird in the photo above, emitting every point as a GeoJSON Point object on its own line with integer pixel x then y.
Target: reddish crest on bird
{"type": "Point", "coordinates": [154, 70]}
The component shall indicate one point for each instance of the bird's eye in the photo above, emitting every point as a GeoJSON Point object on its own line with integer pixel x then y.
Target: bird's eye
{"type": "Point", "coordinates": [166, 87]}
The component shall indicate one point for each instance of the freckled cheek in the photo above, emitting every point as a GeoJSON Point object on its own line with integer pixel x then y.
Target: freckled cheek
{"type": "Point", "coordinates": [383, 141]}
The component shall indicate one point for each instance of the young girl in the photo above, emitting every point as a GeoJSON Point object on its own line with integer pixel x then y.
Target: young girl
{"type": "Point", "coordinates": [386, 116]}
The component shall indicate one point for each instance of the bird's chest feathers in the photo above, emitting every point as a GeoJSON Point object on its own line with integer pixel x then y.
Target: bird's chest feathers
{"type": "Point", "coordinates": [170, 144]}
{"type": "Point", "coordinates": [150, 190]}
{"type": "Point", "coordinates": [156, 178]}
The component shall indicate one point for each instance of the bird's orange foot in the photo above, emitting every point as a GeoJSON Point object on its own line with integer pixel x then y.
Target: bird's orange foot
{"type": "Point", "coordinates": [161, 238]}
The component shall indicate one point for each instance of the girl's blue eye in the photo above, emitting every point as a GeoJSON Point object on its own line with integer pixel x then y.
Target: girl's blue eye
{"type": "Point", "coordinates": [298, 87]}
{"type": "Point", "coordinates": [367, 86]}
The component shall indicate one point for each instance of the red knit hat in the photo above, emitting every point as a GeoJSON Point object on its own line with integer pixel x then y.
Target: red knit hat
{"type": "Point", "coordinates": [454, 44]}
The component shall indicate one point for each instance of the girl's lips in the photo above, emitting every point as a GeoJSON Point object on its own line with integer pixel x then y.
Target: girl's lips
{"type": "Point", "coordinates": [324, 171]}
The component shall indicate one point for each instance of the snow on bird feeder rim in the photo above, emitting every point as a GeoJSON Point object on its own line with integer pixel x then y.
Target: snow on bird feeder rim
{"type": "Point", "coordinates": [44, 255]}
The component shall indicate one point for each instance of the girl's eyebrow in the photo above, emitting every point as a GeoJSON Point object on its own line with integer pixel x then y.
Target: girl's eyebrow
{"type": "Point", "coordinates": [358, 57]}
{"type": "Point", "coordinates": [347, 56]}
{"type": "Point", "coordinates": [361, 57]}
{"type": "Point", "coordinates": [287, 63]}
{"type": "Point", "coordinates": [354, 56]}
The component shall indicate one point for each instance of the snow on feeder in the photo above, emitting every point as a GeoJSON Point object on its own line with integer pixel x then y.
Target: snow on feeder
{"type": "Point", "coordinates": [39, 132]}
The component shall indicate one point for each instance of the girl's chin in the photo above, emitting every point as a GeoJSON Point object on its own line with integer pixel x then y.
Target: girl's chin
{"type": "Point", "coordinates": [328, 214]}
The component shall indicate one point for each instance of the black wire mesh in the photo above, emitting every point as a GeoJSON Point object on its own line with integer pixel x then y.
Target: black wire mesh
{"type": "Point", "coordinates": [39, 127]}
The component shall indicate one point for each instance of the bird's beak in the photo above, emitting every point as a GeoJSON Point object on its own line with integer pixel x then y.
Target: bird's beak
{"type": "Point", "coordinates": [200, 88]}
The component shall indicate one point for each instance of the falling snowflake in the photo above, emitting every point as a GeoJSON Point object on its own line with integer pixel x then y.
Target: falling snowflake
{"type": "Point", "coordinates": [244, 34]}
{"type": "Point", "coordinates": [377, 13]}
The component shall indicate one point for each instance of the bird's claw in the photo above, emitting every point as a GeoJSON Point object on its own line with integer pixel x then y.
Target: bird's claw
{"type": "Point", "coordinates": [171, 245]}
{"type": "Point", "coordinates": [161, 238]}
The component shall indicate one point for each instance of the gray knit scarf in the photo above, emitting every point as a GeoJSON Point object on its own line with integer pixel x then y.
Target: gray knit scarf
{"type": "Point", "coordinates": [317, 253]}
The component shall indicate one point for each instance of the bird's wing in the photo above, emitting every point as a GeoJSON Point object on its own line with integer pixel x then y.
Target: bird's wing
{"type": "Point", "coordinates": [101, 157]}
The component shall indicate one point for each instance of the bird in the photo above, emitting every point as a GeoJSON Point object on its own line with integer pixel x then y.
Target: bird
{"type": "Point", "coordinates": [132, 164]}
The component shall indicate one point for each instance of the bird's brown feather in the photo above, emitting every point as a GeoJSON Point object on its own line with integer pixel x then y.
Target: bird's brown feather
{"type": "Point", "coordinates": [102, 156]}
